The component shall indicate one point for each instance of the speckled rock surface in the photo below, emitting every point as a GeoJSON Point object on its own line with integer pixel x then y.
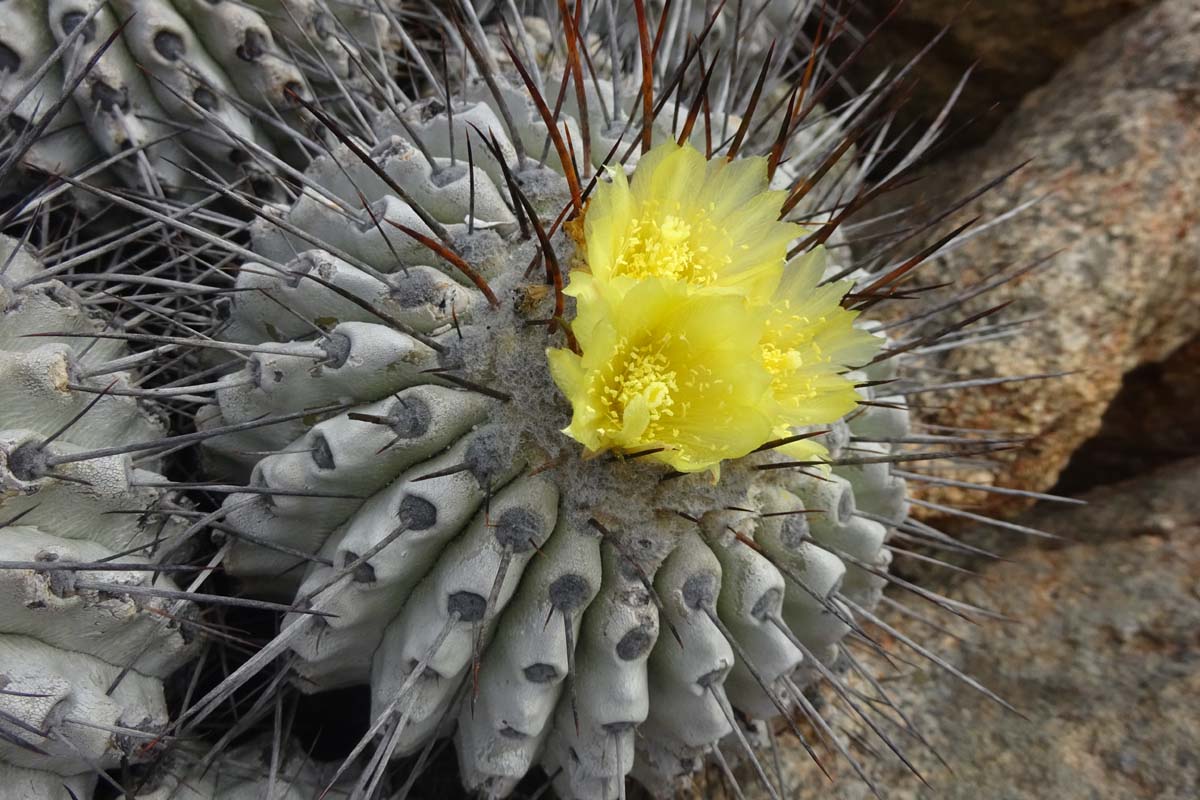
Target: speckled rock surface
{"type": "Point", "coordinates": [1151, 421]}
{"type": "Point", "coordinates": [1014, 47]}
{"type": "Point", "coordinates": [1103, 660]}
{"type": "Point", "coordinates": [1115, 143]}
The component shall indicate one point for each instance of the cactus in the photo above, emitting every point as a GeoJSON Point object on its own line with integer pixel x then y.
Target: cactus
{"type": "Point", "coordinates": [84, 649]}
{"type": "Point", "coordinates": [408, 368]}
{"type": "Point", "coordinates": [459, 556]}
{"type": "Point", "coordinates": [259, 769]}
{"type": "Point", "coordinates": [139, 89]}
{"type": "Point", "coordinates": [599, 616]}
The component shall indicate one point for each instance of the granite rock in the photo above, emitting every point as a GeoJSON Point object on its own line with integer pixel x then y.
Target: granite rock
{"type": "Point", "coordinates": [1114, 140]}
{"type": "Point", "coordinates": [1150, 422]}
{"type": "Point", "coordinates": [1010, 48]}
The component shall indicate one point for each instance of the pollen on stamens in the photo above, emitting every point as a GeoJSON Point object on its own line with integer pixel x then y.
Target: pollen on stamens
{"type": "Point", "coordinates": [646, 378]}
{"type": "Point", "coordinates": [668, 247]}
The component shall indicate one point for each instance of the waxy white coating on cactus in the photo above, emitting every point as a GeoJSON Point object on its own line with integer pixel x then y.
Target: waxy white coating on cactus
{"type": "Point", "coordinates": [429, 600]}
{"type": "Point", "coordinates": [81, 662]}
{"type": "Point", "coordinates": [579, 669]}
{"type": "Point", "coordinates": [529, 665]}
{"type": "Point", "coordinates": [215, 79]}
{"type": "Point", "coordinates": [423, 300]}
{"type": "Point", "coordinates": [46, 604]}
{"type": "Point", "coordinates": [66, 695]}
{"type": "Point", "coordinates": [453, 611]}
{"type": "Point", "coordinates": [430, 512]}
{"type": "Point", "coordinates": [342, 456]}
{"type": "Point", "coordinates": [242, 773]}
{"type": "Point", "coordinates": [619, 630]}
{"type": "Point", "coordinates": [577, 614]}
{"type": "Point", "coordinates": [18, 783]}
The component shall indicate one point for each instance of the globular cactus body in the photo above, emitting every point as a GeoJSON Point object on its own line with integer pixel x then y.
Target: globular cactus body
{"type": "Point", "coordinates": [262, 768]}
{"type": "Point", "coordinates": [479, 575]}
{"type": "Point", "coordinates": [142, 87]}
{"type": "Point", "coordinates": [83, 649]}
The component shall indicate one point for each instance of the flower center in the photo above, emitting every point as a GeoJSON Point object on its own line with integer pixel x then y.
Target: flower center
{"type": "Point", "coordinates": [779, 361]}
{"type": "Point", "coordinates": [642, 377]}
{"type": "Point", "coordinates": [801, 348]}
{"type": "Point", "coordinates": [664, 249]}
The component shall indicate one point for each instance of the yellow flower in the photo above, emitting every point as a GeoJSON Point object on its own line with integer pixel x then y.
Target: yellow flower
{"type": "Point", "coordinates": [707, 224]}
{"type": "Point", "coordinates": [698, 340]}
{"type": "Point", "coordinates": [808, 341]}
{"type": "Point", "coordinates": [667, 369]}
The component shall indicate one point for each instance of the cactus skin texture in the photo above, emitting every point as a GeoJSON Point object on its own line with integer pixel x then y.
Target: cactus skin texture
{"type": "Point", "coordinates": [240, 773]}
{"type": "Point", "coordinates": [141, 88]}
{"type": "Point", "coordinates": [582, 614]}
{"type": "Point", "coordinates": [83, 653]}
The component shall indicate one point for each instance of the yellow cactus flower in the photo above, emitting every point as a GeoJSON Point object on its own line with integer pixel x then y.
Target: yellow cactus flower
{"type": "Point", "coordinates": [698, 340]}
{"type": "Point", "coordinates": [808, 341]}
{"type": "Point", "coordinates": [668, 369]}
{"type": "Point", "coordinates": [707, 224]}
